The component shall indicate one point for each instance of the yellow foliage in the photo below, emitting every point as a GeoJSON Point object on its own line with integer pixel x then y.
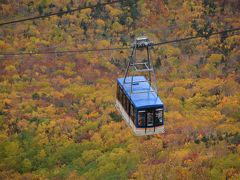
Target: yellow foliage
{"type": "Point", "coordinates": [204, 85]}
{"type": "Point", "coordinates": [233, 39]}
{"type": "Point", "coordinates": [228, 127]}
{"type": "Point", "coordinates": [117, 155]}
{"type": "Point", "coordinates": [70, 65]}
{"type": "Point", "coordinates": [230, 86]}
{"type": "Point", "coordinates": [41, 155]}
{"type": "Point", "coordinates": [180, 92]}
{"type": "Point", "coordinates": [12, 149]}
{"type": "Point", "coordinates": [23, 124]}
{"type": "Point", "coordinates": [183, 173]}
{"type": "Point", "coordinates": [174, 116]}
{"type": "Point", "coordinates": [93, 60]}
{"type": "Point", "coordinates": [215, 58]}
{"type": "Point", "coordinates": [90, 155]}
{"type": "Point", "coordinates": [100, 22]}
{"type": "Point", "coordinates": [97, 139]}
{"type": "Point", "coordinates": [230, 106]}
{"type": "Point", "coordinates": [113, 12]}
{"type": "Point", "coordinates": [7, 101]}
{"type": "Point", "coordinates": [3, 137]}
{"type": "Point", "coordinates": [183, 82]}
{"type": "Point", "coordinates": [61, 81]}
{"type": "Point", "coordinates": [202, 48]}
{"type": "Point", "coordinates": [129, 20]}
{"type": "Point", "coordinates": [27, 165]}
{"type": "Point", "coordinates": [78, 90]}
{"type": "Point", "coordinates": [143, 9]}
{"type": "Point", "coordinates": [57, 94]}
{"type": "Point", "coordinates": [179, 155]}
{"type": "Point", "coordinates": [173, 104]}
{"type": "Point", "coordinates": [103, 44]}
{"type": "Point", "coordinates": [87, 11]}
{"type": "Point", "coordinates": [117, 27]}
{"type": "Point", "coordinates": [170, 50]}
{"type": "Point", "coordinates": [93, 115]}
{"type": "Point", "coordinates": [199, 101]}
{"type": "Point", "coordinates": [3, 45]}
{"type": "Point", "coordinates": [10, 68]}
{"type": "Point", "coordinates": [50, 109]}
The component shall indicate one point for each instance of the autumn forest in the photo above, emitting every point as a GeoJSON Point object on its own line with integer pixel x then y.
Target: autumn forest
{"type": "Point", "coordinates": [57, 110]}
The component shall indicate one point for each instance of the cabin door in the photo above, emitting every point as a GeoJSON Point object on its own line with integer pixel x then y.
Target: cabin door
{"type": "Point", "coordinates": [150, 116]}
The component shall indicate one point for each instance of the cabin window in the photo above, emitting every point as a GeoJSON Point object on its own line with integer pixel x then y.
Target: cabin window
{"type": "Point", "coordinates": [159, 116]}
{"type": "Point", "coordinates": [141, 118]}
{"type": "Point", "coordinates": [125, 102]}
{"type": "Point", "coordinates": [118, 92]}
{"type": "Point", "coordinates": [120, 95]}
{"type": "Point", "coordinates": [133, 114]}
{"type": "Point", "coordinates": [128, 107]}
{"type": "Point", "coordinates": [123, 99]}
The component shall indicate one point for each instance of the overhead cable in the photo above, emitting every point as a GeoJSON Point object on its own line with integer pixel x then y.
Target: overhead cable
{"type": "Point", "coordinates": [60, 13]}
{"type": "Point", "coordinates": [116, 48]}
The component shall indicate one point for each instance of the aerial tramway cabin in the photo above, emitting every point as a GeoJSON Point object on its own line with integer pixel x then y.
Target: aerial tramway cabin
{"type": "Point", "coordinates": [143, 112]}
{"type": "Point", "coordinates": [137, 98]}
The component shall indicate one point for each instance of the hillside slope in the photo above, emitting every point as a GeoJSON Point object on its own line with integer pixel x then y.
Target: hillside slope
{"type": "Point", "coordinates": [57, 113]}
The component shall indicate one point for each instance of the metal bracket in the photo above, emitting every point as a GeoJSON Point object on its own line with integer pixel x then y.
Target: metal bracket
{"type": "Point", "coordinates": [141, 43]}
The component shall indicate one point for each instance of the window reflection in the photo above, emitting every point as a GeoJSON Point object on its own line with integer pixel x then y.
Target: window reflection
{"type": "Point", "coordinates": [150, 118]}
{"type": "Point", "coordinates": [159, 116]}
{"type": "Point", "coordinates": [141, 118]}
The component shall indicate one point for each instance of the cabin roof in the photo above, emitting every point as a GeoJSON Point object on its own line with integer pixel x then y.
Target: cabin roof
{"type": "Point", "coordinates": [140, 100]}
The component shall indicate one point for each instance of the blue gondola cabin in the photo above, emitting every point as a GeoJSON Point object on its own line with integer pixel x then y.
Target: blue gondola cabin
{"type": "Point", "coordinates": [140, 107]}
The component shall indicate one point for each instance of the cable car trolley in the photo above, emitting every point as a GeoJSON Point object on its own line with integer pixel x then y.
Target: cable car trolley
{"type": "Point", "coordinates": [137, 98]}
